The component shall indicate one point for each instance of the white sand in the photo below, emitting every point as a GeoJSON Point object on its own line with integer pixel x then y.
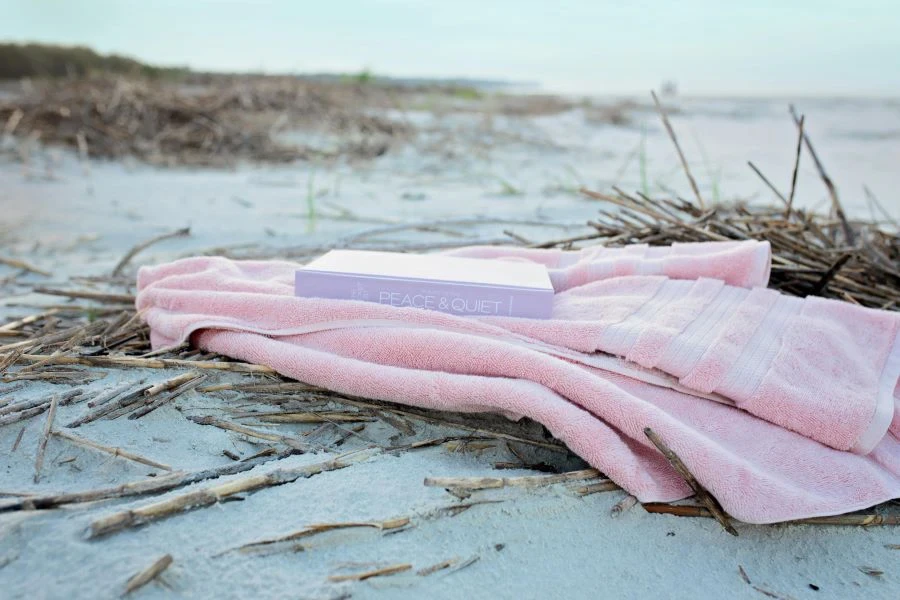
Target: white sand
{"type": "Point", "coordinates": [535, 543]}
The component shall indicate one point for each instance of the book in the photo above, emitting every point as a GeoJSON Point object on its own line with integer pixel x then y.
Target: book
{"type": "Point", "coordinates": [450, 284]}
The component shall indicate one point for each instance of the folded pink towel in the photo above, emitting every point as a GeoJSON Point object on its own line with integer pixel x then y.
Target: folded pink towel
{"type": "Point", "coordinates": [744, 264]}
{"type": "Point", "coordinates": [747, 386]}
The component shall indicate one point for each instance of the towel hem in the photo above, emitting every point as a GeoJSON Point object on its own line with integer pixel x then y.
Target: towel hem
{"type": "Point", "coordinates": [884, 403]}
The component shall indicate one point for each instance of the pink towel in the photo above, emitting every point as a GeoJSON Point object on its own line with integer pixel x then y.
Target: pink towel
{"type": "Point", "coordinates": [744, 264]}
{"type": "Point", "coordinates": [760, 394]}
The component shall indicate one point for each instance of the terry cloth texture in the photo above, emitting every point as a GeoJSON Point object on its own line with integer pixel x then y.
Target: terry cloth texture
{"type": "Point", "coordinates": [782, 407]}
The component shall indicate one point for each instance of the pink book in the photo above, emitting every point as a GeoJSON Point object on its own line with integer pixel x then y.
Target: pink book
{"type": "Point", "coordinates": [450, 284]}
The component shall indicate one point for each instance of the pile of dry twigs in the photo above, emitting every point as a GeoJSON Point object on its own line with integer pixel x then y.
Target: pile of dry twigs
{"type": "Point", "coordinates": [74, 344]}
{"type": "Point", "coordinates": [215, 124]}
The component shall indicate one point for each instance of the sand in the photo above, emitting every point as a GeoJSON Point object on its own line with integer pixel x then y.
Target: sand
{"type": "Point", "coordinates": [531, 543]}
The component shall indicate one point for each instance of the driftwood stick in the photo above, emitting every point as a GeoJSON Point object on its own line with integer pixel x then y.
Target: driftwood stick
{"type": "Point", "coordinates": [528, 481]}
{"type": "Point", "coordinates": [81, 441]}
{"type": "Point", "coordinates": [141, 579]}
{"type": "Point", "coordinates": [45, 437]}
{"type": "Point", "coordinates": [210, 495]}
{"type": "Point", "coordinates": [153, 485]}
{"type": "Point", "coordinates": [704, 496]}
{"type": "Point", "coordinates": [184, 232]}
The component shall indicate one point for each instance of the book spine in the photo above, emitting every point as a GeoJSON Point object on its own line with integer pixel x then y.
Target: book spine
{"type": "Point", "coordinates": [452, 298]}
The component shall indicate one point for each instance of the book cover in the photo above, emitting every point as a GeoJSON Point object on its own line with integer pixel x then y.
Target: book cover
{"type": "Point", "coordinates": [454, 285]}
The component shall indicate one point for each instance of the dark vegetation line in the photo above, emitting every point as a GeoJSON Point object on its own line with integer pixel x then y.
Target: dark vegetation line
{"type": "Point", "coordinates": [46, 60]}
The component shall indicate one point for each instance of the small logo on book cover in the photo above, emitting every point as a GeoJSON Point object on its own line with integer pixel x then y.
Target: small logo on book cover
{"type": "Point", "coordinates": [359, 293]}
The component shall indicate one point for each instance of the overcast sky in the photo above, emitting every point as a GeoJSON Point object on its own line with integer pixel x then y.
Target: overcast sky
{"type": "Point", "coordinates": [763, 47]}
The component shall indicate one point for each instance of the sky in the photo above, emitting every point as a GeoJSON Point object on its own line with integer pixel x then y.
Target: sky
{"type": "Point", "coordinates": [709, 47]}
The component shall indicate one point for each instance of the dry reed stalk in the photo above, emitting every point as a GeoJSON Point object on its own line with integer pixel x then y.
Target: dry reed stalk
{"type": "Point", "coordinates": [167, 350]}
{"type": "Point", "coordinates": [684, 162]}
{"type": "Point", "coordinates": [768, 183]}
{"type": "Point", "coordinates": [184, 232]}
{"type": "Point", "coordinates": [14, 325]}
{"type": "Point", "coordinates": [57, 377]}
{"type": "Point", "coordinates": [848, 520]}
{"type": "Point", "coordinates": [391, 570]}
{"type": "Point", "coordinates": [81, 441]}
{"type": "Point", "coordinates": [107, 408]}
{"type": "Point", "coordinates": [527, 481]}
{"type": "Point", "coordinates": [153, 485]}
{"type": "Point", "coordinates": [318, 528]}
{"type": "Point", "coordinates": [790, 201]}
{"type": "Point", "coordinates": [43, 339]}
{"type": "Point", "coordinates": [22, 415]}
{"type": "Point", "coordinates": [66, 348]}
{"type": "Point", "coordinates": [444, 564]}
{"type": "Point", "coordinates": [23, 405]}
{"type": "Point", "coordinates": [30, 408]}
{"type": "Point", "coordinates": [144, 577]}
{"type": "Point", "coordinates": [312, 417]}
{"type": "Point", "coordinates": [622, 506]}
{"type": "Point", "coordinates": [87, 295]}
{"type": "Point", "coordinates": [172, 383]}
{"type": "Point", "coordinates": [114, 392]}
{"type": "Point", "coordinates": [18, 440]}
{"type": "Point", "coordinates": [152, 403]}
{"type": "Point", "coordinates": [434, 417]}
{"type": "Point", "coordinates": [45, 437]}
{"type": "Point", "coordinates": [149, 363]}
{"type": "Point", "coordinates": [832, 190]}
{"type": "Point", "coordinates": [21, 264]}
{"type": "Point", "coordinates": [594, 488]}
{"type": "Point", "coordinates": [262, 388]}
{"type": "Point", "coordinates": [803, 244]}
{"type": "Point", "coordinates": [210, 495]}
{"type": "Point", "coordinates": [10, 359]}
{"type": "Point", "coordinates": [288, 441]}
{"type": "Point", "coordinates": [705, 497]}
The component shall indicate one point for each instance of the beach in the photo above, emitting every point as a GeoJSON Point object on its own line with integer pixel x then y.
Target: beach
{"type": "Point", "coordinates": [462, 174]}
